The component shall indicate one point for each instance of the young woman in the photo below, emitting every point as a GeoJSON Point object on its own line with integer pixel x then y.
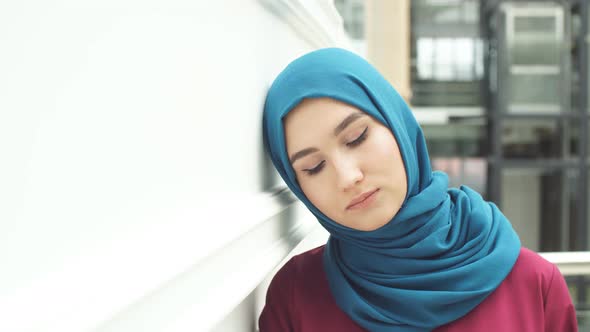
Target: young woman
{"type": "Point", "coordinates": [405, 252]}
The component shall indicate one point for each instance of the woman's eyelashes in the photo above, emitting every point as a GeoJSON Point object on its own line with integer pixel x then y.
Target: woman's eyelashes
{"type": "Point", "coordinates": [357, 141]}
{"type": "Point", "coordinates": [316, 169]}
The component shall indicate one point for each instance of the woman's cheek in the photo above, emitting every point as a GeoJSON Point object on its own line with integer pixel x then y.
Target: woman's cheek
{"type": "Point", "coordinates": [310, 190]}
{"type": "Point", "coordinates": [382, 146]}
{"type": "Point", "coordinates": [322, 199]}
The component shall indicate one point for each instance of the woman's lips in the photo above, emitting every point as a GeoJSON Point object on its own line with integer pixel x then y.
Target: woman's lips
{"type": "Point", "coordinates": [363, 200]}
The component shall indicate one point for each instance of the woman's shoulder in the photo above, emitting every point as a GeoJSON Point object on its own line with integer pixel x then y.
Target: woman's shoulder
{"type": "Point", "coordinates": [309, 259]}
{"type": "Point", "coordinates": [534, 279]}
{"type": "Point", "coordinates": [533, 273]}
{"type": "Point", "coordinates": [294, 293]}
{"type": "Point", "coordinates": [531, 265]}
{"type": "Point", "coordinates": [301, 268]}
{"type": "Point", "coordinates": [533, 297]}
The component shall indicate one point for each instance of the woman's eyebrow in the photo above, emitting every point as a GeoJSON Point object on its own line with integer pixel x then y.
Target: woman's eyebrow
{"type": "Point", "coordinates": [347, 121]}
{"type": "Point", "coordinates": [302, 154]}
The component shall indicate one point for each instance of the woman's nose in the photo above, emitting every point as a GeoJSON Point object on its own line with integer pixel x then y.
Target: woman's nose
{"type": "Point", "coordinates": [348, 173]}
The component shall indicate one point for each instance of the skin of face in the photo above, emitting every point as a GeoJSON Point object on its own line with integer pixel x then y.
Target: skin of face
{"type": "Point", "coordinates": [336, 166]}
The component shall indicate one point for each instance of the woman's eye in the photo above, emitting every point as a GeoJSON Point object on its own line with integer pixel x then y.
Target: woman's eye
{"type": "Point", "coordinates": [359, 139]}
{"type": "Point", "coordinates": [316, 169]}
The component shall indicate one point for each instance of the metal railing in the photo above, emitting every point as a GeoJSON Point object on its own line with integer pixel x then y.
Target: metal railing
{"type": "Point", "coordinates": [575, 267]}
{"type": "Point", "coordinates": [570, 263]}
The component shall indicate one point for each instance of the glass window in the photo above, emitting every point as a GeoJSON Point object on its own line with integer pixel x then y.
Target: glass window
{"type": "Point", "coordinates": [353, 16]}
{"type": "Point", "coordinates": [534, 41]}
{"type": "Point", "coordinates": [579, 287]}
{"type": "Point", "coordinates": [447, 53]}
{"type": "Point", "coordinates": [537, 139]}
{"type": "Point", "coordinates": [456, 140]}
{"type": "Point", "coordinates": [540, 204]}
{"type": "Point", "coordinates": [531, 93]}
{"type": "Point", "coordinates": [575, 136]}
{"type": "Point", "coordinates": [449, 59]}
{"type": "Point", "coordinates": [471, 172]}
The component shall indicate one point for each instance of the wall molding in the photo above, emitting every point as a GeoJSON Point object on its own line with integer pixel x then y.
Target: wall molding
{"type": "Point", "coordinates": [201, 297]}
{"type": "Point", "coordinates": [165, 277]}
{"type": "Point", "coordinates": [316, 21]}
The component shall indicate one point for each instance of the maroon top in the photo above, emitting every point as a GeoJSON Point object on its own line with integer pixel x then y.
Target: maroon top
{"type": "Point", "coordinates": [533, 297]}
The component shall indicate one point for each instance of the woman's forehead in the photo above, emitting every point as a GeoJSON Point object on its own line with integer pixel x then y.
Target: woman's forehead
{"type": "Point", "coordinates": [325, 109]}
{"type": "Point", "coordinates": [314, 119]}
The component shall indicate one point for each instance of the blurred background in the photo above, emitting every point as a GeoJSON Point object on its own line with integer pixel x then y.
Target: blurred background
{"type": "Point", "coordinates": [501, 88]}
{"type": "Point", "coordinates": [135, 193]}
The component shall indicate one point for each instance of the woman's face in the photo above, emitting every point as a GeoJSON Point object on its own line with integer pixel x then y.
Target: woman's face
{"type": "Point", "coordinates": [347, 163]}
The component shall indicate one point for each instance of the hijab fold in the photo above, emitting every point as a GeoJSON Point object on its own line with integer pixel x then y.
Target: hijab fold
{"type": "Point", "coordinates": [445, 250]}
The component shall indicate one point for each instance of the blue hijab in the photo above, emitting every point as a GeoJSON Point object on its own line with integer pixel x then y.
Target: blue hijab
{"type": "Point", "coordinates": [445, 250]}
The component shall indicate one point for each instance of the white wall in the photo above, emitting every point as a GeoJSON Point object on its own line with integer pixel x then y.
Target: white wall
{"type": "Point", "coordinates": [134, 192]}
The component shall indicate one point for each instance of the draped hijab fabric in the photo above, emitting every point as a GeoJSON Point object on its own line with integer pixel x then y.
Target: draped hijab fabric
{"type": "Point", "coordinates": [445, 250]}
